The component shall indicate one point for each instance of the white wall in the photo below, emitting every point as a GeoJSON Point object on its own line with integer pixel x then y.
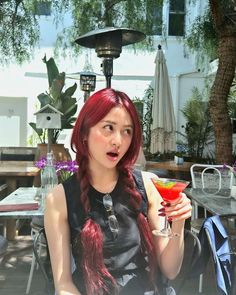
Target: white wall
{"type": "Point", "coordinates": [182, 86]}
{"type": "Point", "coordinates": [13, 121]}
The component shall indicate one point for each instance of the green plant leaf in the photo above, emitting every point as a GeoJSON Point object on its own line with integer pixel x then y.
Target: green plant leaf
{"type": "Point", "coordinates": [39, 132]}
{"type": "Point", "coordinates": [44, 99]}
{"type": "Point", "coordinates": [69, 107]}
{"type": "Point", "coordinates": [52, 70]}
{"type": "Point", "coordinates": [70, 91]}
{"type": "Point", "coordinates": [62, 101]}
{"type": "Point", "coordinates": [57, 86]}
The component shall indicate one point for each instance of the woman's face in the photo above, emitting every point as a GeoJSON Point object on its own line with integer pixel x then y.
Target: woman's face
{"type": "Point", "coordinates": [109, 139]}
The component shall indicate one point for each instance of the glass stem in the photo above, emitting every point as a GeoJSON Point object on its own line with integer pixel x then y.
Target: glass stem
{"type": "Point", "coordinates": [166, 226]}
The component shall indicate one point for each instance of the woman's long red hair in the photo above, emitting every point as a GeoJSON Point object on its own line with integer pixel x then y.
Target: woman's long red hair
{"type": "Point", "coordinates": [98, 280]}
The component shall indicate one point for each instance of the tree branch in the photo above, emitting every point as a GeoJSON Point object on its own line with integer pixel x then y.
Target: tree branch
{"type": "Point", "coordinates": [18, 2]}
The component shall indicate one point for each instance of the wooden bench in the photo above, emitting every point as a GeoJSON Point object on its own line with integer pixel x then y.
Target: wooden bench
{"type": "Point", "coordinates": [18, 153]}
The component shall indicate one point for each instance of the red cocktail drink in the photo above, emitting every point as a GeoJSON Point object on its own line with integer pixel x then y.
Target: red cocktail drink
{"type": "Point", "coordinates": [169, 190]}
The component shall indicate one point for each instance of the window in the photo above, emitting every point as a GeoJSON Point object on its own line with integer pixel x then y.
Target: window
{"type": "Point", "coordinates": [43, 7]}
{"type": "Point", "coordinates": [176, 17]}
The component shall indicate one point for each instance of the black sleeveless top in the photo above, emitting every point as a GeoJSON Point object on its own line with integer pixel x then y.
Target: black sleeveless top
{"type": "Point", "coordinates": [122, 254]}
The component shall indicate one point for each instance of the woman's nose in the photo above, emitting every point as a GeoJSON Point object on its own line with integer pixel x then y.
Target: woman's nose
{"type": "Point", "coordinates": [116, 139]}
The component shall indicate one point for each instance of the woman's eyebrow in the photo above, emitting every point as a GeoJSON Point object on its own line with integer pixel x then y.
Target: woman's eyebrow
{"type": "Point", "coordinates": [115, 123]}
{"type": "Point", "coordinates": [108, 121]}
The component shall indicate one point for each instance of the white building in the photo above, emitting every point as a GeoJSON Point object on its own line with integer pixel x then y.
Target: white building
{"type": "Point", "coordinates": [133, 72]}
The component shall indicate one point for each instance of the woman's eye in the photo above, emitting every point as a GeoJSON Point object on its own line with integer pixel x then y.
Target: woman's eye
{"type": "Point", "coordinates": [128, 131]}
{"type": "Point", "coordinates": [108, 127]}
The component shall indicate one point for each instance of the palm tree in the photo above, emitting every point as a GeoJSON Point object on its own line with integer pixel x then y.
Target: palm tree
{"type": "Point", "coordinates": [224, 20]}
{"type": "Point", "coordinates": [212, 36]}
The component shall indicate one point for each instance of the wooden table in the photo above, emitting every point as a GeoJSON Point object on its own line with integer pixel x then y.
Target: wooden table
{"type": "Point", "coordinates": [28, 194]}
{"type": "Point", "coordinates": [172, 167]}
{"type": "Point", "coordinates": [13, 173]}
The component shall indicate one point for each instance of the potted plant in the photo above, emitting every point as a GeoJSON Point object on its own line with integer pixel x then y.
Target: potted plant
{"type": "Point", "coordinates": [180, 152]}
{"type": "Point", "coordinates": [60, 99]}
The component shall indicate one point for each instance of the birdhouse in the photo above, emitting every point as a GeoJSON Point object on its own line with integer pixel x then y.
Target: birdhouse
{"type": "Point", "coordinates": [48, 117]}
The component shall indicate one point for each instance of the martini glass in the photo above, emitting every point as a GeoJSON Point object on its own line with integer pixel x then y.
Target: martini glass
{"type": "Point", "coordinates": [169, 190]}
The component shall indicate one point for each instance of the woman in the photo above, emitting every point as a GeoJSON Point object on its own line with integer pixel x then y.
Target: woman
{"type": "Point", "coordinates": [99, 213]}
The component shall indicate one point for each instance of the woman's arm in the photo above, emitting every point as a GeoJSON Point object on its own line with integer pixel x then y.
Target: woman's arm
{"type": "Point", "coordinates": [169, 251]}
{"type": "Point", "coordinates": [57, 232]}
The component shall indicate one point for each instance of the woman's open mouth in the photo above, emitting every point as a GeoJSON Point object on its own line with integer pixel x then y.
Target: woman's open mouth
{"type": "Point", "coordinates": [112, 156]}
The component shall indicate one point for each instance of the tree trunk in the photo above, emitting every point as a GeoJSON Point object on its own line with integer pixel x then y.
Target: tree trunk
{"type": "Point", "coordinates": [219, 97]}
{"type": "Point", "coordinates": [221, 87]}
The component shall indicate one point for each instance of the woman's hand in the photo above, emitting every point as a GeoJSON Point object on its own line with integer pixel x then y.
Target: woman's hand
{"type": "Point", "coordinates": [178, 210]}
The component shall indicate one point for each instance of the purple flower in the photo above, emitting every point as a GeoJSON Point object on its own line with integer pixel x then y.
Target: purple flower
{"type": "Point", "coordinates": [64, 169]}
{"type": "Point", "coordinates": [41, 163]}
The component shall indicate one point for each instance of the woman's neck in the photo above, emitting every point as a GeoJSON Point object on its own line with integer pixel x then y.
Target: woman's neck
{"type": "Point", "coordinates": [104, 181]}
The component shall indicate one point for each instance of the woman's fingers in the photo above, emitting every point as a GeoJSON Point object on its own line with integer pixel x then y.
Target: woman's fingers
{"type": "Point", "coordinates": [179, 210]}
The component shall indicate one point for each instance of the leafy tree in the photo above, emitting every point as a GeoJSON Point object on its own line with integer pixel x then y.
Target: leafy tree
{"type": "Point", "coordinates": [202, 39]}
{"type": "Point", "coordinates": [19, 27]}
{"type": "Point", "coordinates": [19, 31]}
{"type": "Point", "coordinates": [88, 15]}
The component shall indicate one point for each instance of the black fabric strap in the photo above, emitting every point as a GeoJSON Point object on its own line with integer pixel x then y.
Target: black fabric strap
{"type": "Point", "coordinates": [137, 175]}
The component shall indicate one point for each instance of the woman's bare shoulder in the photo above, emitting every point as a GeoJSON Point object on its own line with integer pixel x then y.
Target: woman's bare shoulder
{"type": "Point", "coordinates": [55, 200]}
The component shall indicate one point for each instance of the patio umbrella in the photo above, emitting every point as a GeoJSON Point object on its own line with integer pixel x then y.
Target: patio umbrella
{"type": "Point", "coordinates": [163, 125]}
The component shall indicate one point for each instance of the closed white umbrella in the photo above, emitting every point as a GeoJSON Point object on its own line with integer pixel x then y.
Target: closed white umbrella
{"type": "Point", "coordinates": [163, 125]}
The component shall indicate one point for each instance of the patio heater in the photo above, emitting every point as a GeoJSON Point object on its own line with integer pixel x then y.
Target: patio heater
{"type": "Point", "coordinates": [108, 44]}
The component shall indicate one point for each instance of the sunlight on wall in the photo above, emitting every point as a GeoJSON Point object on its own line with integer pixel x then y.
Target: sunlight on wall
{"type": "Point", "coordinates": [13, 121]}
{"type": "Point", "coordinates": [9, 126]}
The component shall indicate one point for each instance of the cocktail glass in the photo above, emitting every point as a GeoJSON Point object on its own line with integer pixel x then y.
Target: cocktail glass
{"type": "Point", "coordinates": [169, 190]}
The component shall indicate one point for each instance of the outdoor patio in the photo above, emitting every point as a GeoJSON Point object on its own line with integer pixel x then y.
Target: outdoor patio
{"type": "Point", "coordinates": [15, 266]}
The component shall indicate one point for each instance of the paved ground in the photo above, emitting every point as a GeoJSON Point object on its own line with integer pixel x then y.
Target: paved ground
{"type": "Point", "coordinates": [15, 267]}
